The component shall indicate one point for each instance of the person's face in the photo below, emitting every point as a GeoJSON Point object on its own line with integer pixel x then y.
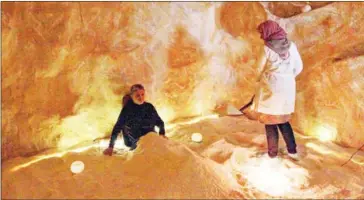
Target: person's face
{"type": "Point", "coordinates": [138, 97]}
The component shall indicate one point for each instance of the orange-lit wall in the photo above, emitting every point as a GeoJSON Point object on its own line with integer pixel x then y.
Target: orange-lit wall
{"type": "Point", "coordinates": [65, 66]}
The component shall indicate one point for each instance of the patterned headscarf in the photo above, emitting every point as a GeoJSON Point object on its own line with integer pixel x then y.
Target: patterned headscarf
{"type": "Point", "coordinates": [275, 38]}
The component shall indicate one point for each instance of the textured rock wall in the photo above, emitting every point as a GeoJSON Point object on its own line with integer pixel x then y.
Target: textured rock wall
{"type": "Point", "coordinates": [330, 98]}
{"type": "Point", "coordinates": [66, 65]}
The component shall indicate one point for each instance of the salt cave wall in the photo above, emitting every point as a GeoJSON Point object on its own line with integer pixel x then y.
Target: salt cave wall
{"type": "Point", "coordinates": [330, 90]}
{"type": "Point", "coordinates": [66, 65]}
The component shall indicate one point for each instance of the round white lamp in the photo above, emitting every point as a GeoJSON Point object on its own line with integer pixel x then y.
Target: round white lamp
{"type": "Point", "coordinates": [77, 167]}
{"type": "Point", "coordinates": [196, 137]}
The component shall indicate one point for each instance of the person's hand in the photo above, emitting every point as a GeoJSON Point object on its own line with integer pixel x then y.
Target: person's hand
{"type": "Point", "coordinates": [108, 151]}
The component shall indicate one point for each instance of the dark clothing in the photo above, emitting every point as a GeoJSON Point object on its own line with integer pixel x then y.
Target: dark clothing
{"type": "Point", "coordinates": [135, 121]}
{"type": "Point", "coordinates": [272, 138]}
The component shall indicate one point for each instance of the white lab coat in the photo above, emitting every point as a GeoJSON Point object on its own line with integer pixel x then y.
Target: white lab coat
{"type": "Point", "coordinates": [281, 81]}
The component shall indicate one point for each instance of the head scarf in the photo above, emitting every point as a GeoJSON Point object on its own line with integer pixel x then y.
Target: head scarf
{"type": "Point", "coordinates": [275, 38]}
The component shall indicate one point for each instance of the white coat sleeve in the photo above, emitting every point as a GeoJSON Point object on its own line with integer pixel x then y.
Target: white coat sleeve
{"type": "Point", "coordinates": [298, 65]}
{"type": "Point", "coordinates": [262, 62]}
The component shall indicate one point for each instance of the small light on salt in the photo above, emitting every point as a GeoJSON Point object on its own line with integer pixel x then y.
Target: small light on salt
{"type": "Point", "coordinates": [196, 137]}
{"type": "Point", "coordinates": [77, 167]}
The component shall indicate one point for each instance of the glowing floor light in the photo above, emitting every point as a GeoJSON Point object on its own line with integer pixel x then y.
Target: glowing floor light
{"type": "Point", "coordinates": [53, 155]}
{"type": "Point", "coordinates": [77, 167]}
{"type": "Point", "coordinates": [192, 121]}
{"type": "Point", "coordinates": [325, 133]}
{"type": "Point", "coordinates": [196, 137]}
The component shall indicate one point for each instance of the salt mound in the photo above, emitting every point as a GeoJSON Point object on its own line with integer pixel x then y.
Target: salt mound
{"type": "Point", "coordinates": [229, 163]}
{"type": "Point", "coordinates": [163, 168]}
{"type": "Point", "coordinates": [158, 168]}
{"type": "Point", "coordinates": [219, 151]}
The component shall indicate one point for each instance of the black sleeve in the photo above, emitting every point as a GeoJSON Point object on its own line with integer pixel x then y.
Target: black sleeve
{"type": "Point", "coordinates": [159, 122]}
{"type": "Point", "coordinates": [118, 126]}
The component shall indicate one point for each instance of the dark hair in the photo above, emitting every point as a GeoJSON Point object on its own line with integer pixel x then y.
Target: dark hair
{"type": "Point", "coordinates": [136, 87]}
{"type": "Point", "coordinates": [133, 88]}
{"type": "Point", "coordinates": [126, 99]}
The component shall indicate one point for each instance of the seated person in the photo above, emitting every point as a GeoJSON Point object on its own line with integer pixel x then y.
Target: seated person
{"type": "Point", "coordinates": [136, 119]}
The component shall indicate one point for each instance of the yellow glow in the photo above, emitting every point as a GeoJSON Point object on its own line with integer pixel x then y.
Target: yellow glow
{"type": "Point", "coordinates": [192, 121]}
{"type": "Point", "coordinates": [198, 107]}
{"type": "Point", "coordinates": [357, 162]}
{"type": "Point", "coordinates": [305, 136]}
{"type": "Point", "coordinates": [98, 106]}
{"type": "Point", "coordinates": [326, 151]}
{"type": "Point", "coordinates": [325, 133]}
{"type": "Point", "coordinates": [103, 144]}
{"type": "Point", "coordinates": [81, 149]}
{"type": "Point", "coordinates": [97, 73]}
{"type": "Point", "coordinates": [59, 154]}
{"type": "Point", "coordinates": [166, 113]}
{"type": "Point", "coordinates": [119, 144]}
{"type": "Point", "coordinates": [321, 149]}
{"type": "Point", "coordinates": [89, 124]}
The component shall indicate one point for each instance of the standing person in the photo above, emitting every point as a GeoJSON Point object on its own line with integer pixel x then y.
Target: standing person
{"type": "Point", "coordinates": [275, 99]}
{"type": "Point", "coordinates": [136, 119]}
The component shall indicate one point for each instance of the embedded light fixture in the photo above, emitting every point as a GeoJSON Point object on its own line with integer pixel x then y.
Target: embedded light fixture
{"type": "Point", "coordinates": [196, 137]}
{"type": "Point", "coordinates": [77, 167]}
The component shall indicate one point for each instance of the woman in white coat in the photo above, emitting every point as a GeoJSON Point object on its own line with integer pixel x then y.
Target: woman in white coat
{"type": "Point", "coordinates": [275, 99]}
